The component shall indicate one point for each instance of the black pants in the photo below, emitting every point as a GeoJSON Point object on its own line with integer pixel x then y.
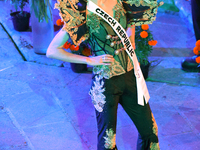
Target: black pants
{"type": "Point", "coordinates": [106, 94]}
{"type": "Point", "coordinates": [196, 17]}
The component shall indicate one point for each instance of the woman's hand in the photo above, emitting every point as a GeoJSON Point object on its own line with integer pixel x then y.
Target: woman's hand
{"type": "Point", "coordinates": [100, 60]}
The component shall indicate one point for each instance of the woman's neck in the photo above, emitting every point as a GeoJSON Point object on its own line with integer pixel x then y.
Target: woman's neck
{"type": "Point", "coordinates": [106, 5]}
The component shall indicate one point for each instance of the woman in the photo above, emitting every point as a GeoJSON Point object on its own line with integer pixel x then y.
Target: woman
{"type": "Point", "coordinates": [113, 80]}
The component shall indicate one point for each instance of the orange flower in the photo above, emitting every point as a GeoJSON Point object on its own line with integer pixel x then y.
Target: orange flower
{"type": "Point", "coordinates": [152, 42]}
{"type": "Point", "coordinates": [198, 59]}
{"type": "Point", "coordinates": [145, 27]}
{"type": "Point", "coordinates": [198, 43]}
{"type": "Point", "coordinates": [143, 34]}
{"type": "Point", "coordinates": [196, 50]}
{"type": "Point", "coordinates": [67, 45]}
{"type": "Point", "coordinates": [155, 42]}
{"type": "Point", "coordinates": [74, 48]}
{"type": "Point", "coordinates": [86, 52]}
{"type": "Point", "coordinates": [59, 22]}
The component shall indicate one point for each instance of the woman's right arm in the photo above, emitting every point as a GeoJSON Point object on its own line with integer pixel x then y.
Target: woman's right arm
{"type": "Point", "coordinates": [56, 51]}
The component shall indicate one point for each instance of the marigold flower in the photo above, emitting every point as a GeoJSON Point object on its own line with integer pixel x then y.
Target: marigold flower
{"type": "Point", "coordinates": [144, 34]}
{"type": "Point", "coordinates": [74, 47]}
{"type": "Point", "coordinates": [198, 43]}
{"type": "Point", "coordinates": [86, 52]}
{"type": "Point", "coordinates": [198, 59]}
{"type": "Point", "coordinates": [152, 42]}
{"type": "Point", "coordinates": [196, 50]}
{"type": "Point", "coordinates": [59, 22]}
{"type": "Point", "coordinates": [155, 42]}
{"type": "Point", "coordinates": [145, 27]}
{"type": "Point", "coordinates": [67, 45]}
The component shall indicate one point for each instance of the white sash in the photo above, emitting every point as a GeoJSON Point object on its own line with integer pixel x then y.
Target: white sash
{"type": "Point", "coordinates": [142, 90]}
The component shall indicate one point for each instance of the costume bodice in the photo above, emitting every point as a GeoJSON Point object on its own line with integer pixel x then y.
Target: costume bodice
{"type": "Point", "coordinates": [104, 40]}
{"type": "Point", "coordinates": [81, 25]}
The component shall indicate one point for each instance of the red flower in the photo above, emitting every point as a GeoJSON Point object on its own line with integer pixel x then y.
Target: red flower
{"type": "Point", "coordinates": [196, 50]}
{"type": "Point", "coordinates": [143, 34]}
{"type": "Point", "coordinates": [145, 27]}
{"type": "Point", "coordinates": [198, 43]}
{"type": "Point", "coordinates": [198, 59]}
{"type": "Point", "coordinates": [67, 45]}
{"type": "Point", "coordinates": [74, 48]}
{"type": "Point", "coordinates": [59, 22]}
{"type": "Point", "coordinates": [152, 42]}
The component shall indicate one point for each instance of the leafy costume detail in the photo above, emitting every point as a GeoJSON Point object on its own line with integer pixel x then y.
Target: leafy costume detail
{"type": "Point", "coordinates": [73, 13]}
{"type": "Point", "coordinates": [110, 139]}
{"type": "Point", "coordinates": [141, 11]}
{"type": "Point", "coordinates": [93, 22]}
{"type": "Point", "coordinates": [154, 145]}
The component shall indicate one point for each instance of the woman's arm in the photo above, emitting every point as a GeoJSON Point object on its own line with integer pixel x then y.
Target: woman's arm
{"type": "Point", "coordinates": [131, 34]}
{"type": "Point", "coordinates": [56, 51]}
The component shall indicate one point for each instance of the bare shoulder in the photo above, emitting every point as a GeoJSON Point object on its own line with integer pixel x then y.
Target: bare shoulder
{"type": "Point", "coordinates": [60, 38]}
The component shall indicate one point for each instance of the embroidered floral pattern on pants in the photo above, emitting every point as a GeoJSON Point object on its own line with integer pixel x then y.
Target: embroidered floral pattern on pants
{"type": "Point", "coordinates": [96, 93]}
{"type": "Point", "coordinates": [153, 145]}
{"type": "Point", "coordinates": [110, 139]}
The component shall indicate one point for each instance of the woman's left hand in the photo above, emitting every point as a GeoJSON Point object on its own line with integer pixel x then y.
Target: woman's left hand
{"type": "Point", "coordinates": [100, 60]}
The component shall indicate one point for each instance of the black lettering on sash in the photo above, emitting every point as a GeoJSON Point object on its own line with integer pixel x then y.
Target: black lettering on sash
{"type": "Point", "coordinates": [113, 23]}
{"type": "Point", "coordinates": [121, 32]}
{"type": "Point", "coordinates": [127, 43]}
{"type": "Point", "coordinates": [110, 19]}
{"type": "Point", "coordinates": [98, 10]}
{"type": "Point", "coordinates": [132, 52]}
{"type": "Point", "coordinates": [102, 13]}
{"type": "Point", "coordinates": [127, 47]}
{"type": "Point", "coordinates": [118, 28]}
{"type": "Point", "coordinates": [106, 16]}
{"type": "Point", "coordinates": [126, 40]}
{"type": "Point", "coordinates": [124, 36]}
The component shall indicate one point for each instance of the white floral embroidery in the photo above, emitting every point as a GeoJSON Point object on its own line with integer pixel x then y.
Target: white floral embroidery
{"type": "Point", "coordinates": [105, 71]}
{"type": "Point", "coordinates": [110, 139]}
{"type": "Point", "coordinates": [96, 93]}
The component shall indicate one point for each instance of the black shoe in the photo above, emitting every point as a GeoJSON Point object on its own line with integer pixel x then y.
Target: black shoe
{"type": "Point", "coordinates": [190, 65]}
